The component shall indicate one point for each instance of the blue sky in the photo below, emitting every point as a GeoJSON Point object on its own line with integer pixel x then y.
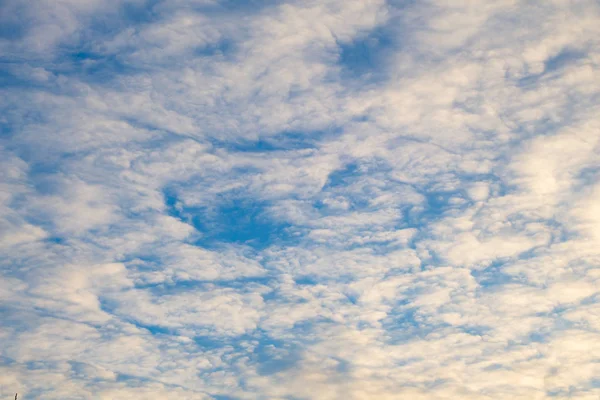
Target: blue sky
{"type": "Point", "coordinates": [300, 199]}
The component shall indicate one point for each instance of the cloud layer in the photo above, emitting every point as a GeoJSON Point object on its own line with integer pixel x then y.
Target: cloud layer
{"type": "Point", "coordinates": [300, 199]}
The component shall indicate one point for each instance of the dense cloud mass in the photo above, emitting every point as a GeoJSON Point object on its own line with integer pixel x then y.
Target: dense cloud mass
{"type": "Point", "coordinates": [332, 199]}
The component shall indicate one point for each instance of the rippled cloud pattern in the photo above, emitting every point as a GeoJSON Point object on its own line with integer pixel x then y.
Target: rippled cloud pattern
{"type": "Point", "coordinates": [332, 199]}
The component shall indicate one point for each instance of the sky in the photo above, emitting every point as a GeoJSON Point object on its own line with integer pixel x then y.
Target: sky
{"type": "Point", "coordinates": [289, 200]}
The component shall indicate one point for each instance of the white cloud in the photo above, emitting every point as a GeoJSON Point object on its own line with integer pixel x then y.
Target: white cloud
{"type": "Point", "coordinates": [422, 226]}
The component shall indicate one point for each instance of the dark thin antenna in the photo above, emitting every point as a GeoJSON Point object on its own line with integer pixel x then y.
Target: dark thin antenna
{"type": "Point", "coordinates": [16, 394]}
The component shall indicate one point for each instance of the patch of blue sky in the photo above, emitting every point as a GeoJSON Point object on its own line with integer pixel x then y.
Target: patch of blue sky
{"type": "Point", "coordinates": [41, 364]}
{"type": "Point", "coordinates": [476, 330]}
{"type": "Point", "coordinates": [306, 280]}
{"type": "Point", "coordinates": [437, 205]}
{"type": "Point", "coordinates": [562, 393]}
{"type": "Point", "coordinates": [234, 219]}
{"type": "Point", "coordinates": [4, 360]}
{"type": "Point", "coordinates": [590, 299]}
{"type": "Point", "coordinates": [160, 289]}
{"type": "Point", "coordinates": [10, 315]}
{"type": "Point", "coordinates": [139, 13]}
{"type": "Point", "coordinates": [563, 58]}
{"type": "Point", "coordinates": [173, 205]}
{"type": "Point", "coordinates": [107, 305]}
{"type": "Point", "coordinates": [56, 240]}
{"type": "Point", "coordinates": [132, 380]}
{"type": "Point", "coordinates": [10, 80]}
{"type": "Point", "coordinates": [50, 159]}
{"type": "Point", "coordinates": [439, 202]}
{"type": "Point", "coordinates": [37, 392]}
{"type": "Point", "coordinates": [282, 141]}
{"type": "Point", "coordinates": [352, 171]}
{"type": "Point", "coordinates": [147, 261]}
{"type": "Point", "coordinates": [538, 337]}
{"type": "Point", "coordinates": [587, 176]}
{"type": "Point", "coordinates": [307, 330]}
{"type": "Point", "coordinates": [80, 63]}
{"type": "Point", "coordinates": [234, 6]}
{"type": "Point", "coordinates": [376, 247]}
{"type": "Point", "coordinates": [406, 324]}
{"type": "Point", "coordinates": [95, 67]}
{"type": "Point", "coordinates": [45, 176]}
{"type": "Point", "coordinates": [207, 342]}
{"type": "Point", "coordinates": [270, 355]}
{"type": "Point", "coordinates": [495, 367]}
{"type": "Point", "coordinates": [365, 57]}
{"type": "Point", "coordinates": [553, 64]}
{"type": "Point", "coordinates": [492, 275]}
{"type": "Point", "coordinates": [80, 370]}
{"type": "Point", "coordinates": [224, 47]}
{"type": "Point", "coordinates": [154, 329]}
{"type": "Point", "coordinates": [275, 355]}
{"type": "Point", "coordinates": [10, 121]}
{"type": "Point", "coordinates": [270, 295]}
{"type": "Point", "coordinates": [352, 183]}
{"type": "Point", "coordinates": [12, 29]}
